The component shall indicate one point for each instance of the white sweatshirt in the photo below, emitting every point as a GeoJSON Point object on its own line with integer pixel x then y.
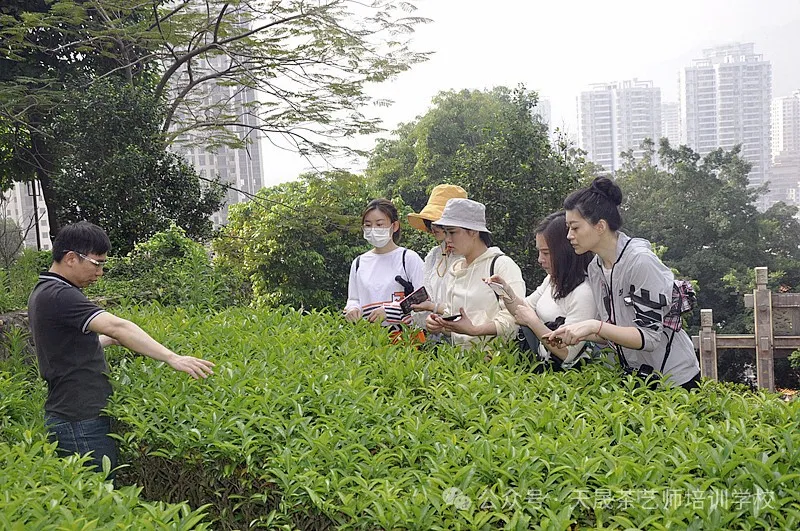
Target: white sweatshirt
{"type": "Point", "coordinates": [436, 271]}
{"type": "Point", "coordinates": [467, 290]}
{"type": "Point", "coordinates": [577, 306]}
{"type": "Point", "coordinates": [374, 285]}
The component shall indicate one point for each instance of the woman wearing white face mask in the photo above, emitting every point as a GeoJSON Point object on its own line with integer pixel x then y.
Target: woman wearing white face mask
{"type": "Point", "coordinates": [374, 290]}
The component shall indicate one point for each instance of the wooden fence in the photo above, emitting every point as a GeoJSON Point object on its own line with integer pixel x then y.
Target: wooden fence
{"type": "Point", "coordinates": [777, 332]}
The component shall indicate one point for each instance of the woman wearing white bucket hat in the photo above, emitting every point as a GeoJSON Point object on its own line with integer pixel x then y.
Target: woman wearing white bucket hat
{"type": "Point", "coordinates": [436, 270]}
{"type": "Point", "coordinates": [483, 312]}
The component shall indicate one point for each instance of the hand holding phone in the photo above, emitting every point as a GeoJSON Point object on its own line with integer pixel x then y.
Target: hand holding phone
{"type": "Point", "coordinates": [416, 297]}
{"type": "Point", "coordinates": [455, 317]}
{"type": "Point", "coordinates": [498, 289]}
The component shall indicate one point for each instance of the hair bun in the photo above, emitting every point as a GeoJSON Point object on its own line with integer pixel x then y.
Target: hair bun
{"type": "Point", "coordinates": [608, 188]}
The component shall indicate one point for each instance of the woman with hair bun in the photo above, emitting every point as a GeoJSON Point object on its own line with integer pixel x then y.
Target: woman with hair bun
{"type": "Point", "coordinates": [632, 289]}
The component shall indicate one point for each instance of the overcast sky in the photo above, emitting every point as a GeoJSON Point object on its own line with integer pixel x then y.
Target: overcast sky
{"type": "Point", "coordinates": [558, 47]}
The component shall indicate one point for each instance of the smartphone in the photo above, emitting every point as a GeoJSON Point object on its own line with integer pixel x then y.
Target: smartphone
{"type": "Point", "coordinates": [498, 288]}
{"type": "Point", "coordinates": [416, 297]}
{"type": "Point", "coordinates": [455, 317]}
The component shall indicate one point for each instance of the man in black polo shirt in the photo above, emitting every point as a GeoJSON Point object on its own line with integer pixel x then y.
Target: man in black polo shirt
{"type": "Point", "coordinates": [70, 331]}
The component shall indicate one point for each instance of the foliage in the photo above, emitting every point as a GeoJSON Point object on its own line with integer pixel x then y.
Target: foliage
{"type": "Point", "coordinates": [11, 240]}
{"type": "Point", "coordinates": [295, 241]}
{"type": "Point", "coordinates": [492, 144]}
{"type": "Point", "coordinates": [703, 211]}
{"type": "Point", "coordinates": [115, 172]}
{"type": "Point", "coordinates": [794, 357]}
{"type": "Point", "coordinates": [311, 64]}
{"type": "Point", "coordinates": [314, 422]}
{"type": "Point", "coordinates": [42, 491]}
{"type": "Point", "coordinates": [171, 269]}
{"type": "Point", "coordinates": [17, 281]}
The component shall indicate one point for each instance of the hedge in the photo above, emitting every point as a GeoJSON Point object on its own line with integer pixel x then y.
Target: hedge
{"type": "Point", "coordinates": [313, 423]}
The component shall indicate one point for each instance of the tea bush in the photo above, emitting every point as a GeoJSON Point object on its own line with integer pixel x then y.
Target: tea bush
{"type": "Point", "coordinates": [171, 269]}
{"type": "Point", "coordinates": [313, 423]}
{"type": "Point", "coordinates": [42, 491]}
{"type": "Point", "coordinates": [18, 280]}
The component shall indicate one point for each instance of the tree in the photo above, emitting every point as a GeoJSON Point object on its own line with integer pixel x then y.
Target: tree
{"type": "Point", "coordinates": [295, 242]}
{"type": "Point", "coordinates": [311, 63]}
{"type": "Point", "coordinates": [493, 145]}
{"type": "Point", "coordinates": [114, 171]}
{"type": "Point", "coordinates": [11, 241]}
{"type": "Point", "coordinates": [703, 211]}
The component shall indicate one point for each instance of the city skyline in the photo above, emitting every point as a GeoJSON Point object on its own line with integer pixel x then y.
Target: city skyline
{"type": "Point", "coordinates": [559, 49]}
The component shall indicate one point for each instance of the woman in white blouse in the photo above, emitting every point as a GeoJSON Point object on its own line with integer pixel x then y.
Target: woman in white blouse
{"type": "Point", "coordinates": [564, 296]}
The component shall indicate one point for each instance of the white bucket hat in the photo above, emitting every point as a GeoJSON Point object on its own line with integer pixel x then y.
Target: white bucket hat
{"type": "Point", "coordinates": [464, 213]}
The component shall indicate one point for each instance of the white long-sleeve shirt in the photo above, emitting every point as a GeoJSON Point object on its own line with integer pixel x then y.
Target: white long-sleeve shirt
{"type": "Point", "coordinates": [466, 289]}
{"type": "Point", "coordinates": [374, 286]}
{"type": "Point", "coordinates": [436, 271]}
{"type": "Point", "coordinates": [577, 306]}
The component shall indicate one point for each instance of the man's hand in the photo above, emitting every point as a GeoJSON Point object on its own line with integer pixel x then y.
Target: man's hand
{"type": "Point", "coordinates": [195, 367]}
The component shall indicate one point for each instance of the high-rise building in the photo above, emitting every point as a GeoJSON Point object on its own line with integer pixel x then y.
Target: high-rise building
{"type": "Point", "coordinates": [239, 168]}
{"type": "Point", "coordinates": [725, 100]}
{"type": "Point", "coordinates": [24, 205]}
{"type": "Point", "coordinates": [786, 124]}
{"type": "Point", "coordinates": [544, 111]}
{"type": "Point", "coordinates": [671, 122]}
{"type": "Point", "coordinates": [784, 173]}
{"type": "Point", "coordinates": [784, 180]}
{"type": "Point", "coordinates": [617, 117]}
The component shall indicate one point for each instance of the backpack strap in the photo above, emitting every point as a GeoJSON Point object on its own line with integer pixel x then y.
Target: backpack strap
{"type": "Point", "coordinates": [491, 266]}
{"type": "Point", "coordinates": [666, 353]}
{"type": "Point", "coordinates": [358, 262]}
{"type": "Point", "coordinates": [491, 271]}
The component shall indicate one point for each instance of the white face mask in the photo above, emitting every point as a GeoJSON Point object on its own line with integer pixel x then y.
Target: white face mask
{"type": "Point", "coordinates": [378, 236]}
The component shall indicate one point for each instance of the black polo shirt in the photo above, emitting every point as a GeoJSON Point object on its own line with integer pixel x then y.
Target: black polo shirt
{"type": "Point", "coordinates": [71, 359]}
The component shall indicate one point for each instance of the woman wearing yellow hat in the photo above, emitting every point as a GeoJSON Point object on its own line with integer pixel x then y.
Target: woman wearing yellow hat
{"type": "Point", "coordinates": [440, 257]}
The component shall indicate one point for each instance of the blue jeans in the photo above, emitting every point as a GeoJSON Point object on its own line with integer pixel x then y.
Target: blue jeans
{"type": "Point", "coordinates": [82, 437]}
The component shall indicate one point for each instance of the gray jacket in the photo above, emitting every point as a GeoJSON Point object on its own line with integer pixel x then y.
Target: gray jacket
{"type": "Point", "coordinates": [640, 296]}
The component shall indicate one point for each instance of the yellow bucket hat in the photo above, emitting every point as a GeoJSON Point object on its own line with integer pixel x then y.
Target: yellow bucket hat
{"type": "Point", "coordinates": [436, 202]}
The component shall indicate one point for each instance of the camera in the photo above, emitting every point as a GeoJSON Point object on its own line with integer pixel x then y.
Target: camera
{"type": "Point", "coordinates": [644, 372]}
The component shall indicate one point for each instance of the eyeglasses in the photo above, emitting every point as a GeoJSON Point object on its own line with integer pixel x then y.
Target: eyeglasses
{"type": "Point", "coordinates": [97, 263]}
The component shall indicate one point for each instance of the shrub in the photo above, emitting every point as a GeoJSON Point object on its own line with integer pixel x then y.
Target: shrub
{"type": "Point", "coordinates": [171, 269]}
{"type": "Point", "coordinates": [17, 281]}
{"type": "Point", "coordinates": [295, 241]}
{"type": "Point", "coordinates": [314, 423]}
{"type": "Point", "coordinates": [43, 491]}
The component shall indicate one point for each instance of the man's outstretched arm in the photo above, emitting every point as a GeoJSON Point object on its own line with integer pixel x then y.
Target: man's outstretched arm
{"type": "Point", "coordinates": [131, 336]}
